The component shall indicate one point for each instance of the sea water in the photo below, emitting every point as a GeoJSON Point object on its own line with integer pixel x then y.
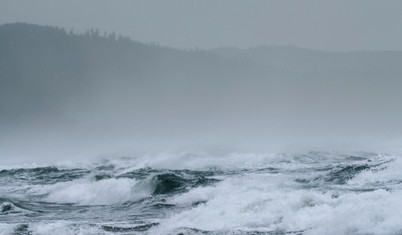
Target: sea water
{"type": "Point", "coordinates": [313, 192]}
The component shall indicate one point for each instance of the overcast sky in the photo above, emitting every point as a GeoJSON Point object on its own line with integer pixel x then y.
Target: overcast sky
{"type": "Point", "coordinates": [327, 25]}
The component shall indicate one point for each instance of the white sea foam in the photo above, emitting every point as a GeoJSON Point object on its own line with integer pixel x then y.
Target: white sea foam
{"type": "Point", "coordinates": [267, 202]}
{"type": "Point", "coordinates": [382, 175]}
{"type": "Point", "coordinates": [65, 228]}
{"type": "Point", "coordinates": [377, 212]}
{"type": "Point", "coordinates": [103, 192]}
{"type": "Point", "coordinates": [7, 228]}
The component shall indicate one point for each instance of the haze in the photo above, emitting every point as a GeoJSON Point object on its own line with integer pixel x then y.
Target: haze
{"type": "Point", "coordinates": [209, 75]}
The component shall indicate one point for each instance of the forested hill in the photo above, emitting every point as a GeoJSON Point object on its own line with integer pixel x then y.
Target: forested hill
{"type": "Point", "coordinates": [43, 67]}
{"type": "Point", "coordinates": [49, 72]}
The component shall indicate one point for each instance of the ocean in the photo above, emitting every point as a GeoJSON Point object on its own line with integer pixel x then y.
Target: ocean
{"type": "Point", "coordinates": [311, 192]}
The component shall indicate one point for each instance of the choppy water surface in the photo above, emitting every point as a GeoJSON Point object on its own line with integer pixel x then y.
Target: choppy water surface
{"type": "Point", "coordinates": [309, 193]}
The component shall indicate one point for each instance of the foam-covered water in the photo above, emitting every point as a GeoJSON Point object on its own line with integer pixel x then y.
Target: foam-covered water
{"type": "Point", "coordinates": [197, 193]}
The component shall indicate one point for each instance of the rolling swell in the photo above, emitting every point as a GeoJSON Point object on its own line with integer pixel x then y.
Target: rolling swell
{"type": "Point", "coordinates": [173, 183]}
{"type": "Point", "coordinates": [42, 175]}
{"type": "Point", "coordinates": [165, 181]}
{"type": "Point", "coordinates": [6, 207]}
{"type": "Point", "coordinates": [139, 228]}
{"type": "Point", "coordinates": [12, 206]}
{"type": "Point", "coordinates": [341, 175]}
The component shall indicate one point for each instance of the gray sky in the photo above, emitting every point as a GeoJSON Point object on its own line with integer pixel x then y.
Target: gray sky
{"type": "Point", "coordinates": [327, 25]}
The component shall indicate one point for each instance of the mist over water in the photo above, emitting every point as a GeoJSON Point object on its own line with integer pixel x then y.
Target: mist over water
{"type": "Point", "coordinates": [66, 95]}
{"type": "Point", "coordinates": [101, 134]}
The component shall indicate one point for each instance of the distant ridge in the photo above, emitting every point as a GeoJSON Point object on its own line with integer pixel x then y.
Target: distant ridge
{"type": "Point", "coordinates": [49, 72]}
{"type": "Point", "coordinates": [300, 59]}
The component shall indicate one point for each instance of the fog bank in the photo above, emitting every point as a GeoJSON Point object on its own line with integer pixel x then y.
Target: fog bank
{"type": "Point", "coordinates": [66, 95]}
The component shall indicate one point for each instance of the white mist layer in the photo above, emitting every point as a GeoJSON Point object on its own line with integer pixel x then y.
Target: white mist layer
{"type": "Point", "coordinates": [199, 160]}
{"type": "Point", "coordinates": [228, 161]}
